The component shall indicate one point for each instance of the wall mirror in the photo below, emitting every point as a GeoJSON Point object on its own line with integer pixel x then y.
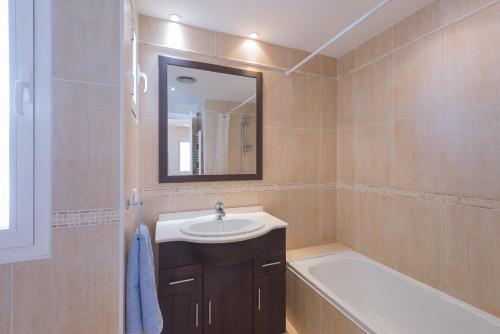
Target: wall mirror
{"type": "Point", "coordinates": [210, 122]}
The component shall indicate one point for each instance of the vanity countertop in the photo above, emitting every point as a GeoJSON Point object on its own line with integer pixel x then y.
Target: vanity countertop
{"type": "Point", "coordinates": [168, 225]}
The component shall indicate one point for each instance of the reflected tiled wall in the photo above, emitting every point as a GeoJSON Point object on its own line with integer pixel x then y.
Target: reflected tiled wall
{"type": "Point", "coordinates": [418, 149]}
{"type": "Point", "coordinates": [76, 289]}
{"type": "Point", "coordinates": [299, 130]}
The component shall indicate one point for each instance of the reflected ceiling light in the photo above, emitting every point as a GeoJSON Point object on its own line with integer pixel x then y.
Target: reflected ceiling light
{"type": "Point", "coordinates": [254, 35]}
{"type": "Point", "coordinates": [174, 17]}
{"type": "Point", "coordinates": [172, 89]}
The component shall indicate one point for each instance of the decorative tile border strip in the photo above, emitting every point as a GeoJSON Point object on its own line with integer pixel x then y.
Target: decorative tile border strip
{"type": "Point", "coordinates": [421, 195]}
{"type": "Point", "coordinates": [229, 189]}
{"type": "Point", "coordinates": [184, 191]}
{"type": "Point", "coordinates": [72, 218]}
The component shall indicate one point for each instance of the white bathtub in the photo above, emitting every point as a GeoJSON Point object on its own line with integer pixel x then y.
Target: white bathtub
{"type": "Point", "coordinates": [381, 300]}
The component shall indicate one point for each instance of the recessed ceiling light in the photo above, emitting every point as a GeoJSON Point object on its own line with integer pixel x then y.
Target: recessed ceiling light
{"type": "Point", "coordinates": [172, 89]}
{"type": "Point", "coordinates": [253, 35]}
{"type": "Point", "coordinates": [174, 17]}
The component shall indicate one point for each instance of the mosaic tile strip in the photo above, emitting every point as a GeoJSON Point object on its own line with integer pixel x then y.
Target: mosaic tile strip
{"type": "Point", "coordinates": [184, 191]}
{"type": "Point", "coordinates": [72, 218]}
{"type": "Point", "coordinates": [228, 189]}
{"type": "Point", "coordinates": [421, 195]}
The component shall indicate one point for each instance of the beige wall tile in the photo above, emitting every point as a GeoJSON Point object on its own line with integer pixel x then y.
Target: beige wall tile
{"type": "Point", "coordinates": [333, 321]}
{"type": "Point", "coordinates": [374, 154]}
{"type": "Point", "coordinates": [275, 102]}
{"type": "Point", "coordinates": [443, 140]}
{"type": "Point", "coordinates": [328, 162]}
{"type": "Point", "coordinates": [419, 162]}
{"type": "Point", "coordinates": [372, 92]}
{"type": "Point", "coordinates": [346, 149]}
{"type": "Point", "coordinates": [313, 66]}
{"type": "Point", "coordinates": [305, 98]}
{"type": "Point", "coordinates": [375, 224]}
{"type": "Point", "coordinates": [419, 77]}
{"type": "Point", "coordinates": [472, 146]}
{"type": "Point", "coordinates": [473, 261]}
{"type": "Point", "coordinates": [458, 8]}
{"type": "Point", "coordinates": [472, 61]}
{"type": "Point", "coordinates": [305, 307]}
{"type": "Point", "coordinates": [239, 199]}
{"type": "Point", "coordinates": [86, 41]}
{"type": "Point", "coordinates": [148, 152]}
{"type": "Point", "coordinates": [75, 291]}
{"type": "Point", "coordinates": [276, 154]}
{"type": "Point", "coordinates": [176, 36]}
{"type": "Point", "coordinates": [425, 20]}
{"type": "Point", "coordinates": [86, 141]}
{"type": "Point", "coordinates": [5, 297]}
{"type": "Point", "coordinates": [277, 204]}
{"type": "Point", "coordinates": [304, 154]}
{"type": "Point", "coordinates": [244, 49]}
{"type": "Point", "coordinates": [304, 218]}
{"type": "Point", "coordinates": [346, 217]}
{"type": "Point", "coordinates": [345, 109]}
{"type": "Point", "coordinates": [347, 63]}
{"type": "Point", "coordinates": [328, 215]}
{"type": "Point", "coordinates": [375, 47]}
{"type": "Point", "coordinates": [328, 66]}
{"type": "Point", "coordinates": [328, 103]}
{"type": "Point", "coordinates": [420, 240]}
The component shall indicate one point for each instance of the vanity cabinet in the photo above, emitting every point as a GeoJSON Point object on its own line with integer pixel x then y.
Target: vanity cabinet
{"type": "Point", "coordinates": [230, 288]}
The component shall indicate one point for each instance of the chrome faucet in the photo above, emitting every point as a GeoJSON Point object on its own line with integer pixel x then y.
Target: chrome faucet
{"type": "Point", "coordinates": [219, 211]}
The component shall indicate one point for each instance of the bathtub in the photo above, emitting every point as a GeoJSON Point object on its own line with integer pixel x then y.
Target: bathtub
{"type": "Point", "coordinates": [381, 300]}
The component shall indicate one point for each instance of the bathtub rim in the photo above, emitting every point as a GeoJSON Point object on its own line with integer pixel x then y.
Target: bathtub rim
{"type": "Point", "coordinates": [355, 316]}
{"type": "Point", "coordinates": [347, 313]}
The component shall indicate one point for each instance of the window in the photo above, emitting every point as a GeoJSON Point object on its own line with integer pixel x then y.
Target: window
{"type": "Point", "coordinates": [135, 79]}
{"type": "Point", "coordinates": [25, 129]}
{"type": "Point", "coordinates": [184, 156]}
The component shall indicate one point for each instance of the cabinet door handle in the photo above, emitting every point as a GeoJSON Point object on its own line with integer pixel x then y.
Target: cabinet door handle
{"type": "Point", "coordinates": [209, 312]}
{"type": "Point", "coordinates": [197, 313]}
{"type": "Point", "coordinates": [271, 264]}
{"type": "Point", "coordinates": [258, 298]}
{"type": "Point", "coordinates": [181, 281]}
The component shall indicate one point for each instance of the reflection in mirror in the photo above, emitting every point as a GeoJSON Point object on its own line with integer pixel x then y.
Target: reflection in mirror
{"type": "Point", "coordinates": [212, 122]}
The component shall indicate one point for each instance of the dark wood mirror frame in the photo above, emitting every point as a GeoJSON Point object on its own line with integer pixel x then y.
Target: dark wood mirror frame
{"type": "Point", "coordinates": [163, 63]}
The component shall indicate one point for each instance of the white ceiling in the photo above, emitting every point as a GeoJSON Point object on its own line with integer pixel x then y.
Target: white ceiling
{"type": "Point", "coordinates": [208, 86]}
{"type": "Point", "coordinates": [300, 24]}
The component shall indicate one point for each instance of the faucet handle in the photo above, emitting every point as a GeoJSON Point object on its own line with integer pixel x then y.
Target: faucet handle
{"type": "Point", "coordinates": [219, 206]}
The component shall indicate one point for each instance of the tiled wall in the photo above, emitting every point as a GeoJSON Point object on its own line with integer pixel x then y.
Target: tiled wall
{"type": "Point", "coordinates": [299, 132]}
{"type": "Point", "coordinates": [418, 149]}
{"type": "Point", "coordinates": [76, 290]}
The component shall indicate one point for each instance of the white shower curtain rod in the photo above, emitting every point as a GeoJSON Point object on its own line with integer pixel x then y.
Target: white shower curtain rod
{"type": "Point", "coordinates": [339, 35]}
{"type": "Point", "coordinates": [243, 103]}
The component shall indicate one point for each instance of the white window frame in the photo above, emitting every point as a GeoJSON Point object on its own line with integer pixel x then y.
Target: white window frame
{"type": "Point", "coordinates": [30, 236]}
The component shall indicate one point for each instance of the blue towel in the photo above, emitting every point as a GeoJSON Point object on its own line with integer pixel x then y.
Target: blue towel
{"type": "Point", "coordinates": [143, 311]}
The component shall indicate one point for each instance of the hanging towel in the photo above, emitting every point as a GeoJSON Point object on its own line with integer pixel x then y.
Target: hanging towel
{"type": "Point", "coordinates": [143, 311]}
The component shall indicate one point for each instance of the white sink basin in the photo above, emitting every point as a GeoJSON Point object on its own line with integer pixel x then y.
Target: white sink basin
{"type": "Point", "coordinates": [228, 227]}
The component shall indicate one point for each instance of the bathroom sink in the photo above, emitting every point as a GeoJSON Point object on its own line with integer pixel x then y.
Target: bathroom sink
{"type": "Point", "coordinates": [209, 227]}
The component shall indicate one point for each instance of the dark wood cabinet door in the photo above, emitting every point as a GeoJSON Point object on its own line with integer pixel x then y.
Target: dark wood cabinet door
{"type": "Point", "coordinates": [228, 298]}
{"type": "Point", "coordinates": [182, 313]}
{"type": "Point", "coordinates": [269, 308]}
